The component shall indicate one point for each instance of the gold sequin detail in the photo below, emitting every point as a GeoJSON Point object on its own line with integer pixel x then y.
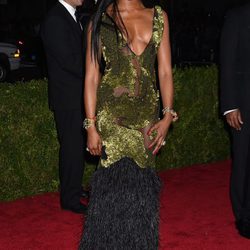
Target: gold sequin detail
{"type": "Point", "coordinates": [158, 27]}
{"type": "Point", "coordinates": [127, 98]}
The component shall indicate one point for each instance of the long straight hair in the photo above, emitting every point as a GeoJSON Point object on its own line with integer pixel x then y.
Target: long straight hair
{"type": "Point", "coordinates": [96, 19]}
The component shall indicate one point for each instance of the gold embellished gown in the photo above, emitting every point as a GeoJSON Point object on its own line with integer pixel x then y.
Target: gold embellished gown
{"type": "Point", "coordinates": [124, 201]}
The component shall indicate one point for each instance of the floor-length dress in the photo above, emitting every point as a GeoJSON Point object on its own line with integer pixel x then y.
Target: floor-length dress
{"type": "Point", "coordinates": [124, 205]}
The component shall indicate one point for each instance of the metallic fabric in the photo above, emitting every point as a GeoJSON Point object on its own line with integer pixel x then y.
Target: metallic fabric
{"type": "Point", "coordinates": [127, 98]}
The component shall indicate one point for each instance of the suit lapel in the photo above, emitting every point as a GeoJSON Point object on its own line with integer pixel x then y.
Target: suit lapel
{"type": "Point", "coordinates": [75, 26]}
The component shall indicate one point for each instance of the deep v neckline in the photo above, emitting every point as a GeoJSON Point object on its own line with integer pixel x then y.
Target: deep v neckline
{"type": "Point", "coordinates": [125, 40]}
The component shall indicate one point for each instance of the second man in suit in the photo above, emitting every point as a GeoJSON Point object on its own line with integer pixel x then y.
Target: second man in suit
{"type": "Point", "coordinates": [235, 105]}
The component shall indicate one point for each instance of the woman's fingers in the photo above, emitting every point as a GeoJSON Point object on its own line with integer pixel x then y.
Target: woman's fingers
{"type": "Point", "coordinates": [158, 145]}
{"type": "Point", "coordinates": [161, 131]}
{"type": "Point", "coordinates": [95, 150]}
{"type": "Point", "coordinates": [91, 150]}
{"type": "Point", "coordinates": [150, 131]}
{"type": "Point", "coordinates": [94, 144]}
{"type": "Point", "coordinates": [100, 149]}
{"type": "Point", "coordinates": [154, 142]}
{"type": "Point", "coordinates": [157, 142]}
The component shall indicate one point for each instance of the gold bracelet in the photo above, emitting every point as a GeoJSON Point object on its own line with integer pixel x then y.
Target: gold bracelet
{"type": "Point", "coordinates": [89, 122]}
{"type": "Point", "coordinates": [172, 112]}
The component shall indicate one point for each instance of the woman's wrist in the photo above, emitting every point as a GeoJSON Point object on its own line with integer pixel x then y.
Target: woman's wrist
{"type": "Point", "coordinates": [167, 117]}
{"type": "Point", "coordinates": [91, 130]}
{"type": "Point", "coordinates": [168, 113]}
{"type": "Point", "coordinates": [89, 123]}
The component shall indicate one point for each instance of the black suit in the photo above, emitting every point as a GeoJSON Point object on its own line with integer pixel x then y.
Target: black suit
{"type": "Point", "coordinates": [62, 38]}
{"type": "Point", "coordinates": [235, 94]}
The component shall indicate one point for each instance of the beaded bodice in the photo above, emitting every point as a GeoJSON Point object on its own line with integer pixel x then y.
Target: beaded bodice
{"type": "Point", "coordinates": [127, 97]}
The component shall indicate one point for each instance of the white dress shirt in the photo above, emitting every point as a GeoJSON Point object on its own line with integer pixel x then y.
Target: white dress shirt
{"type": "Point", "coordinates": [229, 111]}
{"type": "Point", "coordinates": [69, 8]}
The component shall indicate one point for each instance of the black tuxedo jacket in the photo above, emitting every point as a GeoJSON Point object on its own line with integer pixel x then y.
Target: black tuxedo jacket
{"type": "Point", "coordinates": [235, 60]}
{"type": "Point", "coordinates": [63, 44]}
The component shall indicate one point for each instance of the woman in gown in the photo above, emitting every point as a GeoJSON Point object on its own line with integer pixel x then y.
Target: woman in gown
{"type": "Point", "coordinates": [122, 110]}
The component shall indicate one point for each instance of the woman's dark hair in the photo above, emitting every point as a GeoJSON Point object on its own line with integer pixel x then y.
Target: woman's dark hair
{"type": "Point", "coordinates": [101, 8]}
{"type": "Point", "coordinates": [96, 19]}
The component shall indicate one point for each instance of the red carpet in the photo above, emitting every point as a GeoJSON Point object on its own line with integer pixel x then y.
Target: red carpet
{"type": "Point", "coordinates": [195, 215]}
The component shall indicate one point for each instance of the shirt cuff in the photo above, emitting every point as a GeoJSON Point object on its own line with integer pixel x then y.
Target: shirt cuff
{"type": "Point", "coordinates": [229, 111]}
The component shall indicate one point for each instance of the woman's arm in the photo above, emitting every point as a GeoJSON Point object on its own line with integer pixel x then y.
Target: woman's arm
{"type": "Point", "coordinates": [166, 88]}
{"type": "Point", "coordinates": [165, 68]}
{"type": "Point", "coordinates": [92, 79]}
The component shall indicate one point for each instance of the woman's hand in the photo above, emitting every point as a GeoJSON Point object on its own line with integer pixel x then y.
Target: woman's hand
{"type": "Point", "coordinates": [161, 129]}
{"type": "Point", "coordinates": [94, 142]}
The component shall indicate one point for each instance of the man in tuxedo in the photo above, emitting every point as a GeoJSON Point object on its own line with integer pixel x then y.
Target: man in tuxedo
{"type": "Point", "coordinates": [63, 43]}
{"type": "Point", "coordinates": [235, 105]}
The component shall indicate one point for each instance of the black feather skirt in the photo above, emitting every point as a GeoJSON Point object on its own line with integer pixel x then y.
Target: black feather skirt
{"type": "Point", "coordinates": [123, 211]}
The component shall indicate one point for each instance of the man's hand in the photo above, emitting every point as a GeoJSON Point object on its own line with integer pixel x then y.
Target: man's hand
{"type": "Point", "coordinates": [234, 119]}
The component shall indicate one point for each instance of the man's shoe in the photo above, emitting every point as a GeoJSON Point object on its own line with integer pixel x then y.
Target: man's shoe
{"type": "Point", "coordinates": [85, 194]}
{"type": "Point", "coordinates": [79, 209]}
{"type": "Point", "coordinates": [243, 226]}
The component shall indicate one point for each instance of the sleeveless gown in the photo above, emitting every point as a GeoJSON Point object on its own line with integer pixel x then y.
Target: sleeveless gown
{"type": "Point", "coordinates": [123, 211]}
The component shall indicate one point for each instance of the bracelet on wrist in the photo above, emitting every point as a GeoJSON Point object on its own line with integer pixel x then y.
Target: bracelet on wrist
{"type": "Point", "coordinates": [172, 112]}
{"type": "Point", "coordinates": [89, 122]}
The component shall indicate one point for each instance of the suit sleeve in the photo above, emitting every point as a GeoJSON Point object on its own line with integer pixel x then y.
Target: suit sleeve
{"type": "Point", "coordinates": [228, 62]}
{"type": "Point", "coordinates": [56, 36]}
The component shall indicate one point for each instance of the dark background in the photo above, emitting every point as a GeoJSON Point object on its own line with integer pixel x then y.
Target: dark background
{"type": "Point", "coordinates": [195, 28]}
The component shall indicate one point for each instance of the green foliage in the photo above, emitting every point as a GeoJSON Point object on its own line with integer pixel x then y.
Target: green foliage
{"type": "Point", "coordinates": [28, 139]}
{"type": "Point", "coordinates": [199, 136]}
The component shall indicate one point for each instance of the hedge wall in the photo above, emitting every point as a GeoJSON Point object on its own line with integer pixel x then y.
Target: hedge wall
{"type": "Point", "coordinates": [28, 142]}
{"type": "Point", "coordinates": [199, 136]}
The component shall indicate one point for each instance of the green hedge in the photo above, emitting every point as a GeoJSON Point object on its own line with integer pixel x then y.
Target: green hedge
{"type": "Point", "coordinates": [28, 141]}
{"type": "Point", "coordinates": [199, 136]}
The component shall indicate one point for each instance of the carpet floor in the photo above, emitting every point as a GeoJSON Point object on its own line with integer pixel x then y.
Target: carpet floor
{"type": "Point", "coordinates": [195, 215]}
